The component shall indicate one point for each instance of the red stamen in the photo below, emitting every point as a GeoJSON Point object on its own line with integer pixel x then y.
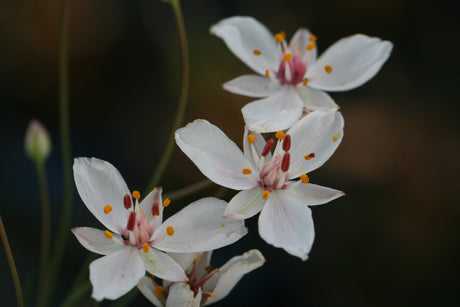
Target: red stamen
{"type": "Point", "coordinates": [287, 142]}
{"type": "Point", "coordinates": [127, 201]}
{"type": "Point", "coordinates": [155, 209]}
{"type": "Point", "coordinates": [268, 147]}
{"type": "Point", "coordinates": [131, 221]}
{"type": "Point", "coordinates": [285, 162]}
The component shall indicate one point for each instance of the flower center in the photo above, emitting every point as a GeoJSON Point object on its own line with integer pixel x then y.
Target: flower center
{"type": "Point", "coordinates": [196, 282]}
{"type": "Point", "coordinates": [274, 174]}
{"type": "Point", "coordinates": [291, 69]}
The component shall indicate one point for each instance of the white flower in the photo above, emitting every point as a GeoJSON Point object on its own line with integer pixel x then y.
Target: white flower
{"type": "Point", "coordinates": [205, 286]}
{"type": "Point", "coordinates": [136, 235]}
{"type": "Point", "coordinates": [265, 180]}
{"type": "Point", "coordinates": [293, 80]}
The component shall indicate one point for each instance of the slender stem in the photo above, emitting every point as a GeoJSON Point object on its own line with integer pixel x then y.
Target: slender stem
{"type": "Point", "coordinates": [14, 272]}
{"type": "Point", "coordinates": [64, 226]}
{"type": "Point", "coordinates": [182, 99]}
{"type": "Point", "coordinates": [46, 234]}
{"type": "Point", "coordinates": [203, 184]}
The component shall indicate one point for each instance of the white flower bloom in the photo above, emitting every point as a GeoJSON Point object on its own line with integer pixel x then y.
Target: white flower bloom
{"type": "Point", "coordinates": [205, 286]}
{"type": "Point", "coordinates": [136, 232]}
{"type": "Point", "coordinates": [293, 80]}
{"type": "Point", "coordinates": [265, 179]}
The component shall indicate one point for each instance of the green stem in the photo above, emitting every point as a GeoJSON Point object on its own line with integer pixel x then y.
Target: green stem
{"type": "Point", "coordinates": [64, 226]}
{"type": "Point", "coordinates": [203, 184]}
{"type": "Point", "coordinates": [14, 272]}
{"type": "Point", "coordinates": [46, 234]}
{"type": "Point", "coordinates": [182, 99]}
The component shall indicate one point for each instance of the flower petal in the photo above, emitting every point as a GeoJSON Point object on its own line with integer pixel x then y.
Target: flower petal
{"type": "Point", "coordinates": [243, 35]}
{"type": "Point", "coordinates": [319, 133]}
{"type": "Point", "coordinates": [147, 204]}
{"type": "Point", "coordinates": [315, 99]}
{"type": "Point", "coordinates": [162, 265]}
{"type": "Point", "coordinates": [252, 86]}
{"type": "Point", "coordinates": [199, 227]}
{"type": "Point", "coordinates": [300, 40]}
{"type": "Point", "coordinates": [147, 288]}
{"type": "Point", "coordinates": [99, 184]}
{"type": "Point", "coordinates": [228, 276]}
{"type": "Point", "coordinates": [287, 223]}
{"type": "Point", "coordinates": [277, 112]}
{"type": "Point", "coordinates": [312, 194]}
{"type": "Point", "coordinates": [354, 60]}
{"type": "Point", "coordinates": [185, 260]}
{"type": "Point", "coordinates": [114, 275]}
{"type": "Point", "coordinates": [245, 204]}
{"type": "Point", "coordinates": [215, 155]}
{"type": "Point", "coordinates": [180, 295]}
{"type": "Point", "coordinates": [94, 240]}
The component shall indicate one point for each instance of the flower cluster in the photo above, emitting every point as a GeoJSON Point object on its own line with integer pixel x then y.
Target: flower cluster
{"type": "Point", "coordinates": [270, 174]}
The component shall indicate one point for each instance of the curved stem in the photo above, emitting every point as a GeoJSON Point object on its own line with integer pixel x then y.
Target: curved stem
{"type": "Point", "coordinates": [63, 230]}
{"type": "Point", "coordinates": [46, 235]}
{"type": "Point", "coordinates": [203, 184]}
{"type": "Point", "coordinates": [14, 272]}
{"type": "Point", "coordinates": [182, 99]}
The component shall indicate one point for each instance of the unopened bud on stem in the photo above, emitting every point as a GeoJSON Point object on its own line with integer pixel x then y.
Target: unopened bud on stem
{"type": "Point", "coordinates": [37, 142]}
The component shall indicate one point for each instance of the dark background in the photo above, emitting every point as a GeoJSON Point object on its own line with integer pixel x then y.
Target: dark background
{"type": "Point", "coordinates": [392, 240]}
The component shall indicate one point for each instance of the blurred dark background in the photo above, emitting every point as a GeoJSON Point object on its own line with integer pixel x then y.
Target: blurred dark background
{"type": "Point", "coordinates": [392, 240]}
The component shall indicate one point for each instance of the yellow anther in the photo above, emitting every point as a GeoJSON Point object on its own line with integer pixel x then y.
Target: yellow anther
{"type": "Point", "coordinates": [251, 138]}
{"type": "Point", "coordinates": [287, 57]}
{"type": "Point", "coordinates": [257, 52]}
{"type": "Point", "coordinates": [280, 37]}
{"type": "Point", "coordinates": [328, 69]}
{"type": "Point", "coordinates": [309, 156]}
{"type": "Point", "coordinates": [313, 38]}
{"type": "Point", "coordinates": [304, 178]}
{"type": "Point", "coordinates": [247, 171]}
{"type": "Point", "coordinates": [107, 209]}
{"type": "Point", "coordinates": [305, 81]}
{"type": "Point", "coordinates": [158, 290]}
{"type": "Point", "coordinates": [336, 137]}
{"type": "Point", "coordinates": [311, 46]}
{"type": "Point", "coordinates": [166, 202]}
{"type": "Point", "coordinates": [279, 135]}
{"type": "Point", "coordinates": [267, 74]}
{"type": "Point", "coordinates": [108, 234]}
{"type": "Point", "coordinates": [265, 194]}
{"type": "Point", "coordinates": [145, 247]}
{"type": "Point", "coordinates": [170, 230]}
{"type": "Point", "coordinates": [223, 225]}
{"type": "Point", "coordinates": [136, 194]}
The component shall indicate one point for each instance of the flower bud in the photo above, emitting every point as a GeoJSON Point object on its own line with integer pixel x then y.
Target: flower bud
{"type": "Point", "coordinates": [37, 142]}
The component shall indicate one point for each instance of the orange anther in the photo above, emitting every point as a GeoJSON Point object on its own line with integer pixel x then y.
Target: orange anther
{"type": "Point", "coordinates": [166, 202]}
{"type": "Point", "coordinates": [265, 194]}
{"type": "Point", "coordinates": [311, 46]}
{"type": "Point", "coordinates": [136, 194]}
{"type": "Point", "coordinates": [247, 171]}
{"type": "Point", "coordinates": [170, 230]}
{"type": "Point", "coordinates": [267, 74]}
{"type": "Point", "coordinates": [310, 156]}
{"type": "Point", "coordinates": [304, 178]}
{"type": "Point", "coordinates": [305, 81]}
{"type": "Point", "coordinates": [145, 247]}
{"type": "Point", "coordinates": [251, 138]}
{"type": "Point", "coordinates": [108, 234]}
{"type": "Point", "coordinates": [107, 209]}
{"type": "Point", "coordinates": [279, 135]}
{"type": "Point", "coordinates": [223, 225]}
{"type": "Point", "coordinates": [328, 69]}
{"type": "Point", "coordinates": [158, 290]}
{"type": "Point", "coordinates": [287, 57]}
{"type": "Point", "coordinates": [257, 52]}
{"type": "Point", "coordinates": [280, 37]}
{"type": "Point", "coordinates": [313, 38]}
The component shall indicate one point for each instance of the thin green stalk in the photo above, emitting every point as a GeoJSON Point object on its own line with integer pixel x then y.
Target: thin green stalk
{"type": "Point", "coordinates": [182, 99]}
{"type": "Point", "coordinates": [46, 234]}
{"type": "Point", "coordinates": [14, 272]}
{"type": "Point", "coordinates": [175, 195]}
{"type": "Point", "coordinates": [64, 226]}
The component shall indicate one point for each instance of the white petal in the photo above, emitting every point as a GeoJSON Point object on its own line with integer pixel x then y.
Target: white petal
{"type": "Point", "coordinates": [287, 223]}
{"type": "Point", "coordinates": [319, 133]}
{"type": "Point", "coordinates": [228, 276]}
{"type": "Point", "coordinates": [300, 40]}
{"type": "Point", "coordinates": [95, 240]}
{"type": "Point", "coordinates": [312, 194]}
{"type": "Point", "coordinates": [199, 227]}
{"type": "Point", "coordinates": [185, 260]}
{"type": "Point", "coordinates": [162, 265]}
{"type": "Point", "coordinates": [252, 86]}
{"type": "Point", "coordinates": [114, 275]}
{"type": "Point", "coordinates": [147, 288]}
{"type": "Point", "coordinates": [99, 184]}
{"type": "Point", "coordinates": [315, 99]}
{"type": "Point", "coordinates": [215, 155]}
{"type": "Point", "coordinates": [354, 60]}
{"type": "Point", "coordinates": [180, 295]}
{"type": "Point", "coordinates": [277, 112]}
{"type": "Point", "coordinates": [243, 35]}
{"type": "Point", "coordinates": [245, 204]}
{"type": "Point", "coordinates": [147, 204]}
{"type": "Point", "coordinates": [253, 152]}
